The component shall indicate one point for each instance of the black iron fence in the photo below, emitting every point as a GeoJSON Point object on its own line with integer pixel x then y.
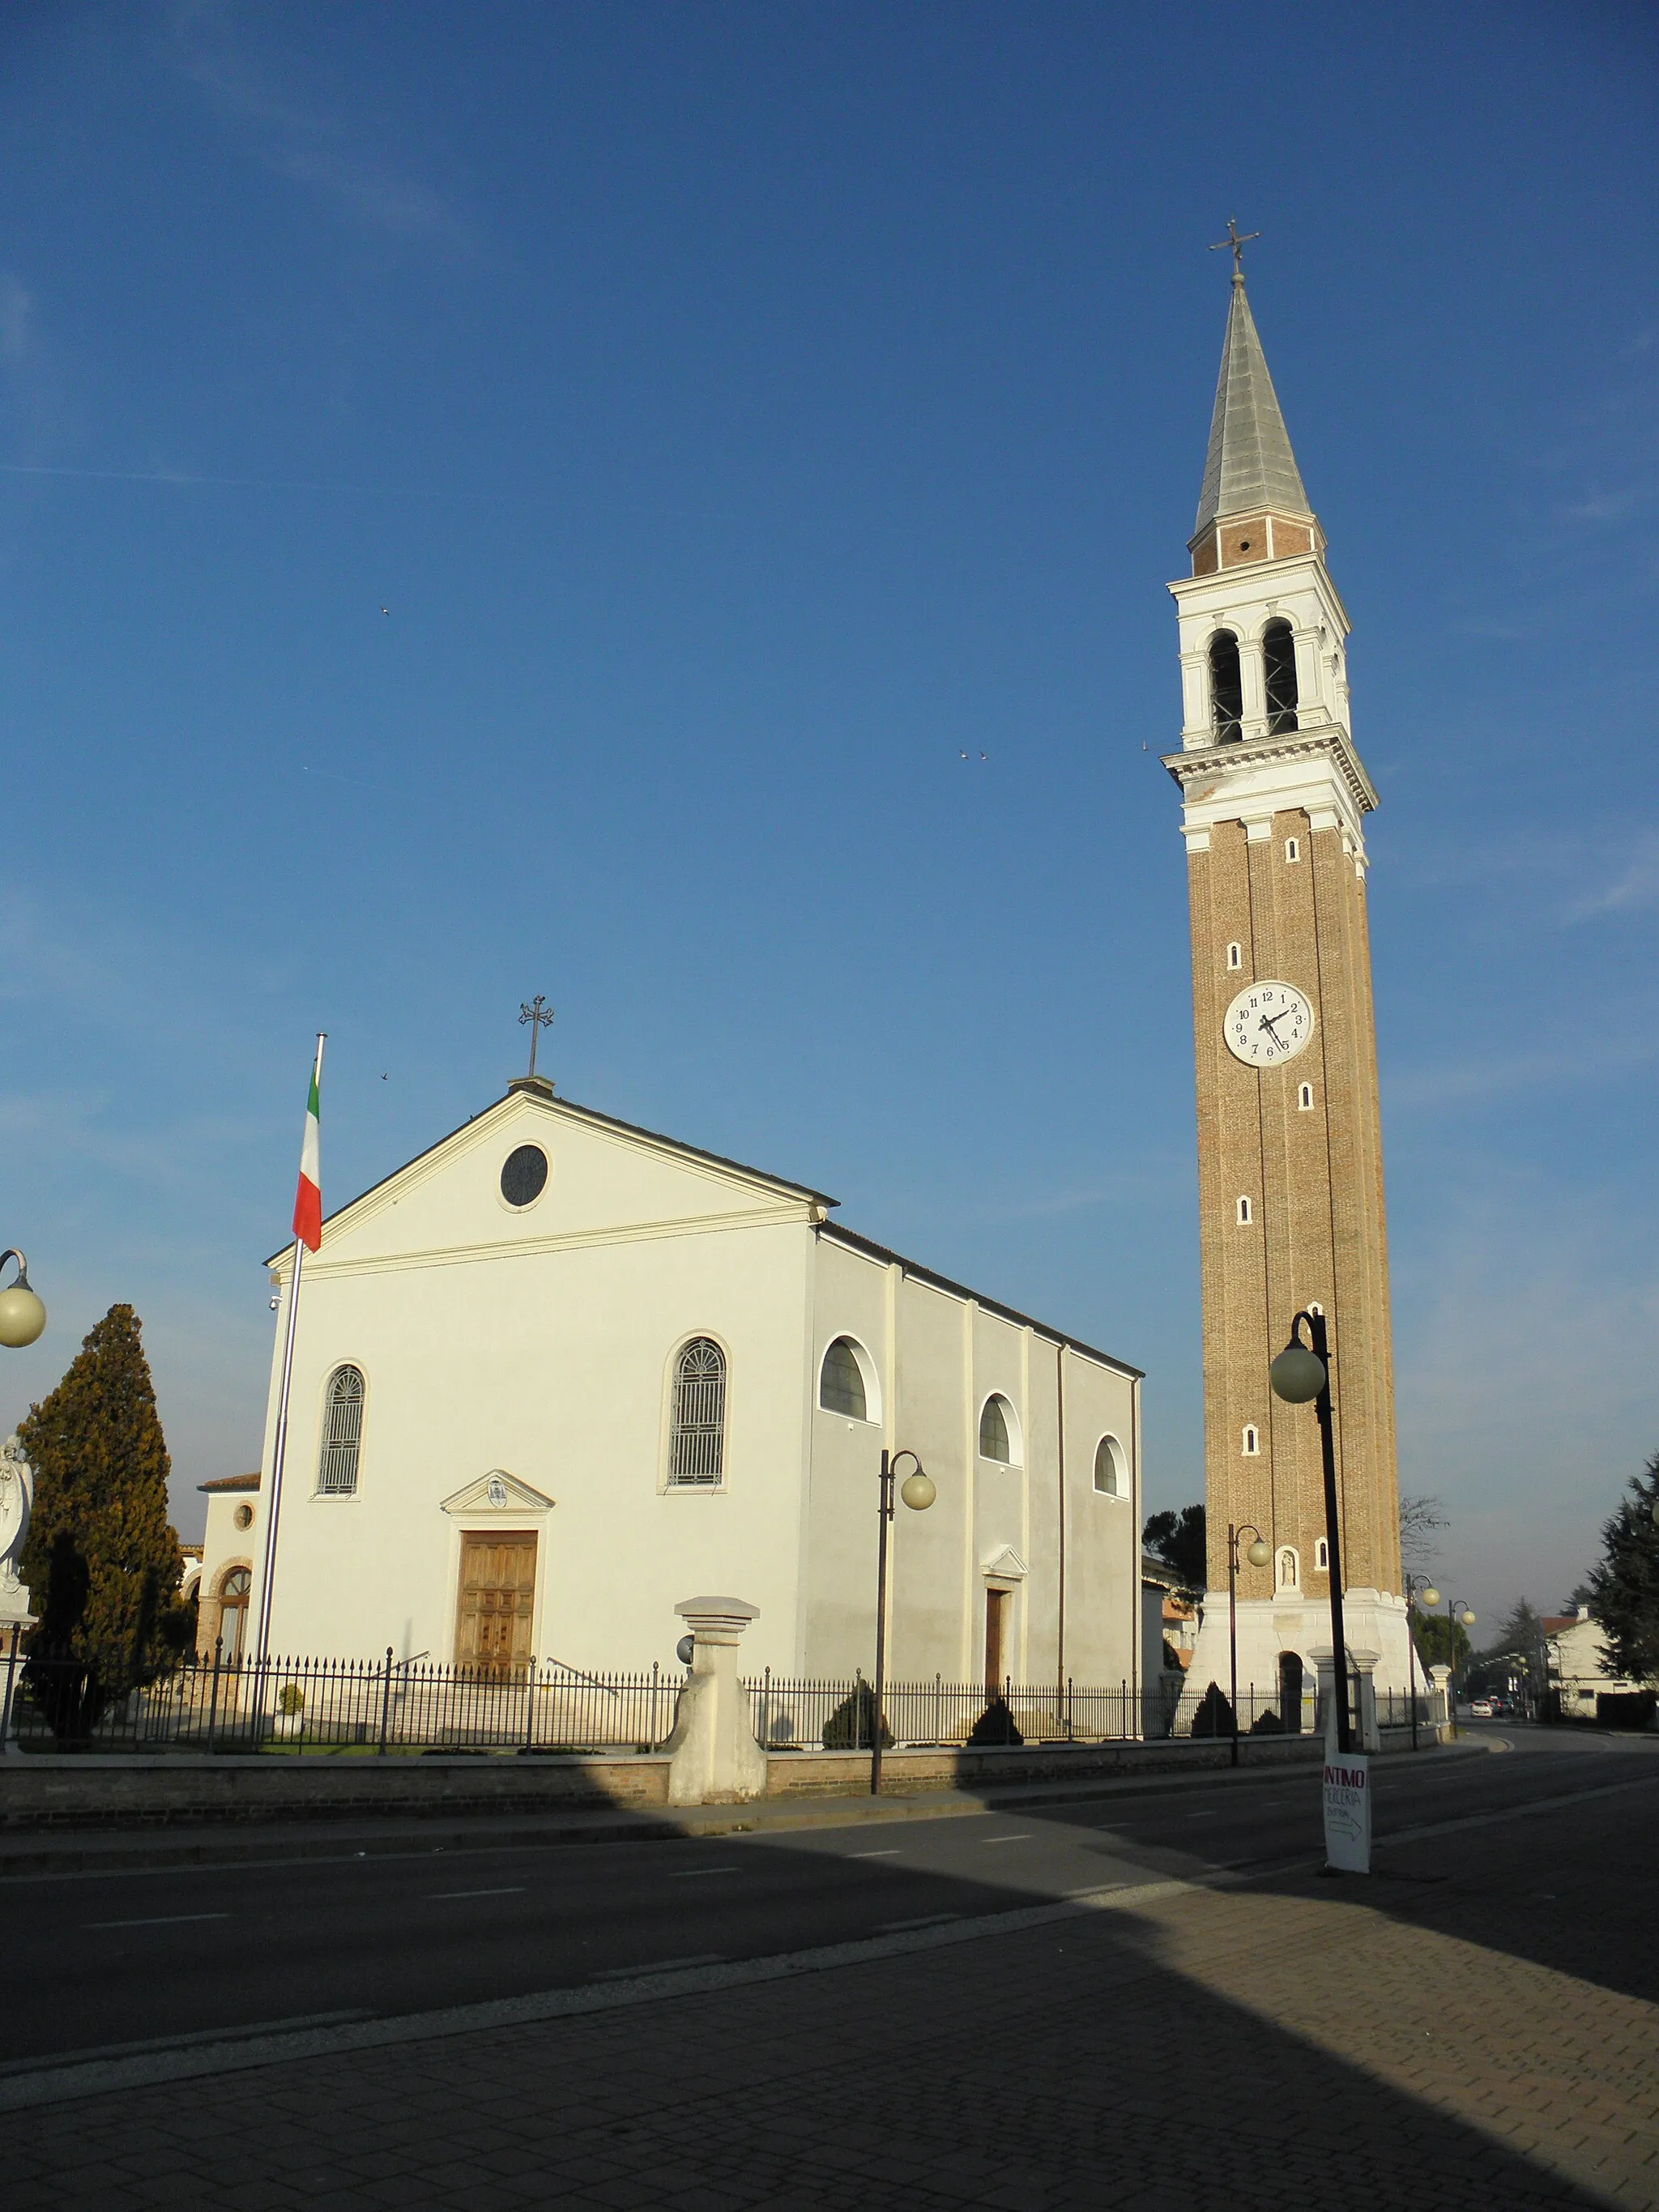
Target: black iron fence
{"type": "Point", "coordinates": [839, 1714]}
{"type": "Point", "coordinates": [104, 1702]}
{"type": "Point", "coordinates": [1265, 1712]}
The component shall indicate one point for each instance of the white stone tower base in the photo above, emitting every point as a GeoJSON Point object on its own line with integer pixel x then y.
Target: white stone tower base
{"type": "Point", "coordinates": [1290, 1623]}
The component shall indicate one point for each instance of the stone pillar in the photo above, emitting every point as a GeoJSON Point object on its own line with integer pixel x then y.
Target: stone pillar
{"type": "Point", "coordinates": [713, 1757]}
{"type": "Point", "coordinates": [1368, 1736]}
{"type": "Point", "coordinates": [1325, 1711]}
{"type": "Point", "coordinates": [1440, 1712]}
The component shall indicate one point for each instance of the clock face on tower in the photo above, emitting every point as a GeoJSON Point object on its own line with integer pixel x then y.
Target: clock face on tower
{"type": "Point", "coordinates": [1267, 1024]}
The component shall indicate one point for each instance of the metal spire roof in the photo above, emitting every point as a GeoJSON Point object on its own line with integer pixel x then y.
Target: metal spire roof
{"type": "Point", "coordinates": [1250, 465]}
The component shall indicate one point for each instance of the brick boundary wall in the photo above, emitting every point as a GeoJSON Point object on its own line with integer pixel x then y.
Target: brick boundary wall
{"type": "Point", "coordinates": [96, 1791]}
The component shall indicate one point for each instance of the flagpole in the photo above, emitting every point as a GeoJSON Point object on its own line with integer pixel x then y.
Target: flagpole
{"type": "Point", "coordinates": [279, 1448]}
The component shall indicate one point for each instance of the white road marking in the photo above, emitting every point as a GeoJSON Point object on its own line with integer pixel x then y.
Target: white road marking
{"type": "Point", "coordinates": [157, 1920]}
{"type": "Point", "coordinates": [891, 1852]}
{"type": "Point", "coordinates": [928, 1920]}
{"type": "Point", "coordinates": [694, 1873]}
{"type": "Point", "coordinates": [658, 1966]}
{"type": "Point", "coordinates": [513, 1889]}
{"type": "Point", "coordinates": [1024, 1836]}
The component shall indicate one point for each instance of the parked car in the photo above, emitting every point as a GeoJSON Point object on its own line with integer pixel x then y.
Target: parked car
{"type": "Point", "coordinates": [1481, 1708]}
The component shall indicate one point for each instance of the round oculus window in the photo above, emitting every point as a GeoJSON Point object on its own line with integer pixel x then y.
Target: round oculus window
{"type": "Point", "coordinates": [524, 1178]}
{"type": "Point", "coordinates": [243, 1517]}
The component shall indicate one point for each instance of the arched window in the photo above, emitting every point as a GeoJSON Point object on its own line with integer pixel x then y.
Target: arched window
{"type": "Point", "coordinates": [1304, 1099]}
{"type": "Point", "coordinates": [1111, 1471]}
{"type": "Point", "coordinates": [1252, 1440]}
{"type": "Point", "coordinates": [233, 1591]}
{"type": "Point", "coordinates": [696, 1442]}
{"type": "Point", "coordinates": [1292, 848]}
{"type": "Point", "coordinates": [1278, 669]}
{"type": "Point", "coordinates": [1243, 1213]}
{"type": "Point", "coordinates": [1235, 955]}
{"type": "Point", "coordinates": [996, 1430]}
{"type": "Point", "coordinates": [1323, 1556]}
{"type": "Point", "coordinates": [840, 1382]}
{"type": "Point", "coordinates": [343, 1433]}
{"type": "Point", "coordinates": [1226, 689]}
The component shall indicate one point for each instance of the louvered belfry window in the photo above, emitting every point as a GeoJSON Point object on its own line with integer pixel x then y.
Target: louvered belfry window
{"type": "Point", "coordinates": [1278, 673]}
{"type": "Point", "coordinates": [342, 1432]}
{"type": "Point", "coordinates": [696, 1444]}
{"type": "Point", "coordinates": [1227, 689]}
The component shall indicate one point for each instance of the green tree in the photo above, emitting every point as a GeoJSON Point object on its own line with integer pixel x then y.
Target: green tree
{"type": "Point", "coordinates": [1179, 1539]}
{"type": "Point", "coordinates": [1440, 1642]}
{"type": "Point", "coordinates": [1625, 1584]}
{"type": "Point", "coordinates": [100, 1479]}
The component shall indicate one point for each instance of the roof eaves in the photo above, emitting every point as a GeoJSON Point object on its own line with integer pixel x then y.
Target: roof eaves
{"type": "Point", "coordinates": [839, 1234]}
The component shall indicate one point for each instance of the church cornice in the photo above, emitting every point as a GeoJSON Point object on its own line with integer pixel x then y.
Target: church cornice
{"type": "Point", "coordinates": [1222, 765]}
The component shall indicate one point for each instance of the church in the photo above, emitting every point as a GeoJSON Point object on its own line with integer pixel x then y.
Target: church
{"type": "Point", "coordinates": [559, 1373]}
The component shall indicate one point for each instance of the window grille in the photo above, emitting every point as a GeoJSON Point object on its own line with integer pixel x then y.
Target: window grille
{"type": "Point", "coordinates": [1108, 1468]}
{"type": "Point", "coordinates": [993, 1433]}
{"type": "Point", "coordinates": [1226, 689]}
{"type": "Point", "coordinates": [696, 1444]}
{"type": "Point", "coordinates": [343, 1433]}
{"type": "Point", "coordinates": [1278, 668]}
{"type": "Point", "coordinates": [840, 1385]}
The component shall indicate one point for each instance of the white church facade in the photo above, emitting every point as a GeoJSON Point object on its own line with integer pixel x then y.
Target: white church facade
{"type": "Point", "coordinates": [559, 1373]}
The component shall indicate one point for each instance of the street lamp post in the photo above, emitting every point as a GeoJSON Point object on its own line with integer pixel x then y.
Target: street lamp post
{"type": "Point", "coordinates": [1258, 1556]}
{"type": "Point", "coordinates": [1303, 1372]}
{"type": "Point", "coordinates": [1458, 1616]}
{"type": "Point", "coordinates": [918, 1492]}
{"type": "Point", "coordinates": [1415, 1584]}
{"type": "Point", "coordinates": [22, 1316]}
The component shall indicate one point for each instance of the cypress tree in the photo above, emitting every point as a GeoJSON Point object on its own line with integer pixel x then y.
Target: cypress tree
{"type": "Point", "coordinates": [100, 1479]}
{"type": "Point", "coordinates": [1625, 1586]}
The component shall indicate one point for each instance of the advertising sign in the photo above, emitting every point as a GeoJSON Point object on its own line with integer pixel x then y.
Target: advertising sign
{"type": "Point", "coordinates": [1348, 1812]}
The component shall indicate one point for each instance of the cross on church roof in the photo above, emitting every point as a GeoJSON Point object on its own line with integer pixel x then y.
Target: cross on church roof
{"type": "Point", "coordinates": [1237, 241]}
{"type": "Point", "coordinates": [538, 1021]}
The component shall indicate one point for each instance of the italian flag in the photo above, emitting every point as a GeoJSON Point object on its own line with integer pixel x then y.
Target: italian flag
{"type": "Point", "coordinates": [308, 1199]}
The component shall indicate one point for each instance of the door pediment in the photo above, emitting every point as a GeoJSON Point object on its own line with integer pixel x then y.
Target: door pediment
{"type": "Point", "coordinates": [1005, 1566]}
{"type": "Point", "coordinates": [498, 1492]}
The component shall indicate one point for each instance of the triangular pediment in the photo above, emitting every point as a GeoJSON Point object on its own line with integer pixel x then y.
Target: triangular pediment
{"type": "Point", "coordinates": [500, 1493]}
{"type": "Point", "coordinates": [1006, 1565]}
{"type": "Point", "coordinates": [598, 1179]}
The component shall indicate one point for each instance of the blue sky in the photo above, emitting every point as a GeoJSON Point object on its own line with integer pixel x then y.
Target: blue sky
{"type": "Point", "coordinates": [742, 412]}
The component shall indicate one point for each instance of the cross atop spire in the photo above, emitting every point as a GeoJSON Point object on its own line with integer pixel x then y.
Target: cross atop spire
{"type": "Point", "coordinates": [1238, 243]}
{"type": "Point", "coordinates": [1250, 468]}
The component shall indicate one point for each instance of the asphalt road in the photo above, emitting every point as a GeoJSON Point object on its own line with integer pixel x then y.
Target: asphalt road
{"type": "Point", "coordinates": [113, 1961]}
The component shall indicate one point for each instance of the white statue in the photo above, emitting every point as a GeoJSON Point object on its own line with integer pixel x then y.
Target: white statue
{"type": "Point", "coordinates": [17, 1496]}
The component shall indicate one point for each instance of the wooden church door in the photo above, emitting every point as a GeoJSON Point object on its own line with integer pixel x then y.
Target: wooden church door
{"type": "Point", "coordinates": [496, 1613]}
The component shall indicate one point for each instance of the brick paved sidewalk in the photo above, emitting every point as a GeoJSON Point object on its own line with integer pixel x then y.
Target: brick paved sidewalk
{"type": "Point", "coordinates": [1415, 2039]}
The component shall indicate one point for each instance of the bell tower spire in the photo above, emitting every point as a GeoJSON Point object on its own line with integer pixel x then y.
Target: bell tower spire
{"type": "Point", "coordinates": [1274, 800]}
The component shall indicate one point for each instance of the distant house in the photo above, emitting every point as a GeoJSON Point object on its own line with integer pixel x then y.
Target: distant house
{"type": "Point", "coordinates": [226, 1572]}
{"type": "Point", "coordinates": [1581, 1673]}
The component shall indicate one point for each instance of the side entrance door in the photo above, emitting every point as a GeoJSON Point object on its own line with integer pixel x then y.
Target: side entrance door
{"type": "Point", "coordinates": [497, 1613]}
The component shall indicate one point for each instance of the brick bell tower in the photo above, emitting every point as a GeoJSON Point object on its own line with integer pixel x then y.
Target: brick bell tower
{"type": "Point", "coordinates": [1290, 1149]}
